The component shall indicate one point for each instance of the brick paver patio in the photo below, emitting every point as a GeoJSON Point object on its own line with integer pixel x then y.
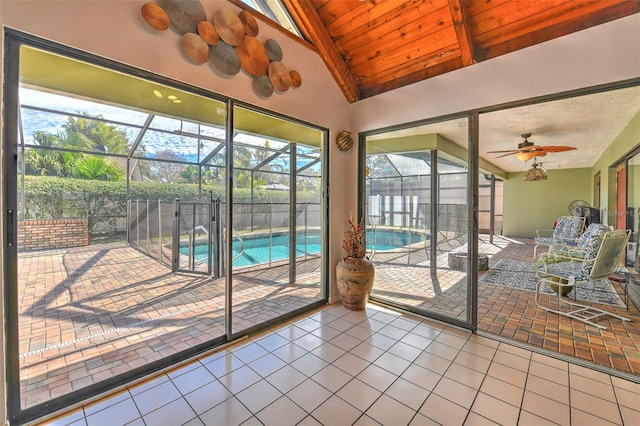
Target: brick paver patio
{"type": "Point", "coordinates": [90, 313]}
{"type": "Point", "coordinates": [94, 312]}
{"type": "Point", "coordinates": [513, 314]}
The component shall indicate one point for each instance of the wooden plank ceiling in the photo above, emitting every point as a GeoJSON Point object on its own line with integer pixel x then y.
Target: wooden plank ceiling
{"type": "Point", "coordinates": [373, 46]}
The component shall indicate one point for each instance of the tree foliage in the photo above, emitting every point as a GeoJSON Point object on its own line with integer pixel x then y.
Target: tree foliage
{"type": "Point", "coordinates": [98, 168]}
{"type": "Point", "coordinates": [65, 179]}
{"type": "Point", "coordinates": [103, 137]}
{"type": "Point", "coordinates": [165, 171]}
{"type": "Point", "coordinates": [81, 134]}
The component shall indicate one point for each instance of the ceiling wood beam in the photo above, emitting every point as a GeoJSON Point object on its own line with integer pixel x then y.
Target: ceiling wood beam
{"type": "Point", "coordinates": [385, 71]}
{"type": "Point", "coordinates": [554, 28]}
{"type": "Point", "coordinates": [306, 17]}
{"type": "Point", "coordinates": [414, 77]}
{"type": "Point", "coordinates": [463, 31]}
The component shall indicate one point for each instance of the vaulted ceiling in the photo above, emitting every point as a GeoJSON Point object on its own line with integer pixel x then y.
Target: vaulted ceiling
{"type": "Point", "coordinates": [374, 46]}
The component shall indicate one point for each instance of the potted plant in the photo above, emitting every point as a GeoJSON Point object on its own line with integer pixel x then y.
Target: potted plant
{"type": "Point", "coordinates": [555, 283]}
{"type": "Point", "coordinates": [355, 272]}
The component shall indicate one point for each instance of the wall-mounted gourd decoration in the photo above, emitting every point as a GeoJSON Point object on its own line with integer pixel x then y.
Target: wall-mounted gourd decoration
{"type": "Point", "coordinates": [344, 141]}
{"type": "Point", "coordinates": [229, 41]}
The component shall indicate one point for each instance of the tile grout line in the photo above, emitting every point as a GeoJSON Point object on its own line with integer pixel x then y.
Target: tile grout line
{"type": "Point", "coordinates": [396, 375]}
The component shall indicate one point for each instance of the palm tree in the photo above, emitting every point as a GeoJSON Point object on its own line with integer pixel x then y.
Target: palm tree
{"type": "Point", "coordinates": [78, 135]}
{"type": "Point", "coordinates": [98, 168]}
{"type": "Point", "coordinates": [102, 136]}
{"type": "Point", "coordinates": [50, 162]}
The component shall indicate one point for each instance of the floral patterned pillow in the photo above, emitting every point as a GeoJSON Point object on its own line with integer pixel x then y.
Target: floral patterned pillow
{"type": "Point", "coordinates": [585, 244]}
{"type": "Point", "coordinates": [568, 229]}
{"type": "Point", "coordinates": [592, 229]}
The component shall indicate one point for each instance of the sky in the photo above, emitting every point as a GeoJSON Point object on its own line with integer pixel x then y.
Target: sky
{"type": "Point", "coordinates": [130, 122]}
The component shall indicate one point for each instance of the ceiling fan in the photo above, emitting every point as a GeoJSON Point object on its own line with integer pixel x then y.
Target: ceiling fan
{"type": "Point", "coordinates": [527, 150]}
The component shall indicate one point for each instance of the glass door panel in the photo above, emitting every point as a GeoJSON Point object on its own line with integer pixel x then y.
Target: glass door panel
{"type": "Point", "coordinates": [93, 295]}
{"type": "Point", "coordinates": [633, 210]}
{"type": "Point", "coordinates": [621, 197]}
{"type": "Point", "coordinates": [277, 226]}
{"type": "Point", "coordinates": [416, 217]}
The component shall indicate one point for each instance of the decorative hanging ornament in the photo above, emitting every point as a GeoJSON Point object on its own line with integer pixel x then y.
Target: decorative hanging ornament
{"type": "Point", "coordinates": [155, 16]}
{"type": "Point", "coordinates": [229, 42]}
{"type": "Point", "coordinates": [344, 140]}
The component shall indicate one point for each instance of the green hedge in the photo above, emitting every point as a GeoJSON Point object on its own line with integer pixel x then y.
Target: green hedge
{"type": "Point", "coordinates": [47, 197]}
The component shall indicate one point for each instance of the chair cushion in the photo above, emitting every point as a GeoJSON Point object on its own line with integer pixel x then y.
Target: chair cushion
{"type": "Point", "coordinates": [566, 269]}
{"type": "Point", "coordinates": [587, 245]}
{"type": "Point", "coordinates": [582, 269]}
{"type": "Point", "coordinates": [592, 229]}
{"type": "Point", "coordinates": [544, 240]}
{"type": "Point", "coordinates": [568, 228]}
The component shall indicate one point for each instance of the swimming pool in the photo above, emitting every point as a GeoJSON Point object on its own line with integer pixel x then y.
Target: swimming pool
{"type": "Point", "coordinates": [256, 248]}
{"type": "Point", "coordinates": [389, 240]}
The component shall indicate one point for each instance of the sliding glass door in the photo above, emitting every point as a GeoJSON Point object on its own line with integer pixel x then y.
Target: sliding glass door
{"type": "Point", "coordinates": [417, 215]}
{"type": "Point", "coordinates": [633, 210]}
{"type": "Point", "coordinates": [139, 232]}
{"type": "Point", "coordinates": [277, 229]}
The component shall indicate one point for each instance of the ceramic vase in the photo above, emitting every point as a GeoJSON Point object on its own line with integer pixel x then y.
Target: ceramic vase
{"type": "Point", "coordinates": [355, 280]}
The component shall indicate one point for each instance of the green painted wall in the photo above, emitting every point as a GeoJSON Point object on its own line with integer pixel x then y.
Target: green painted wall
{"type": "Point", "coordinates": [536, 205]}
{"type": "Point", "coordinates": [626, 141]}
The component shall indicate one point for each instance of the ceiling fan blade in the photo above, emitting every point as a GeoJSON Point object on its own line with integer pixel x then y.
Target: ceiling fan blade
{"type": "Point", "coordinates": [510, 151]}
{"type": "Point", "coordinates": [527, 152]}
{"type": "Point", "coordinates": [553, 148]}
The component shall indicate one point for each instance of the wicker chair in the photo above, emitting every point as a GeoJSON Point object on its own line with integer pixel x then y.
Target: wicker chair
{"type": "Point", "coordinates": [599, 259]}
{"type": "Point", "coordinates": [567, 231]}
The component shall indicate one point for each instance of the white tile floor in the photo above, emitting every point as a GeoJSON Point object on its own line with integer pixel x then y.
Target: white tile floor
{"type": "Point", "coordinates": [339, 367]}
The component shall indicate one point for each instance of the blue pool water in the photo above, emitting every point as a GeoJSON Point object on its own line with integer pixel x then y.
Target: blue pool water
{"type": "Point", "coordinates": [256, 250]}
{"type": "Point", "coordinates": [389, 240]}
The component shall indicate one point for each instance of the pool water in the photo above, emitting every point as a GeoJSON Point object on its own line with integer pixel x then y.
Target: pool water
{"type": "Point", "coordinates": [389, 240]}
{"type": "Point", "coordinates": [256, 250]}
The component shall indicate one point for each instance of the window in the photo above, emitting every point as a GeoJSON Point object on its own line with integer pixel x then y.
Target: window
{"type": "Point", "coordinates": [274, 10]}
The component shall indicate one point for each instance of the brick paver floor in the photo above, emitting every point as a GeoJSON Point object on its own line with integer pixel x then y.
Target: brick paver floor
{"type": "Point", "coordinates": [513, 314]}
{"type": "Point", "coordinates": [90, 313]}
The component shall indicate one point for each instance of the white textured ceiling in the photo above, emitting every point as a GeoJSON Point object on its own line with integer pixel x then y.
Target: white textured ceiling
{"type": "Point", "coordinates": [589, 123]}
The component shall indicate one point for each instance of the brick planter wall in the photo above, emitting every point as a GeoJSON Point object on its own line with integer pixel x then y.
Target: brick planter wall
{"type": "Point", "coordinates": [52, 234]}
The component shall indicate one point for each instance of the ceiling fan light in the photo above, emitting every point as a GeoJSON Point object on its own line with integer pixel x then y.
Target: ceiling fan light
{"type": "Point", "coordinates": [535, 174]}
{"type": "Point", "coordinates": [525, 156]}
